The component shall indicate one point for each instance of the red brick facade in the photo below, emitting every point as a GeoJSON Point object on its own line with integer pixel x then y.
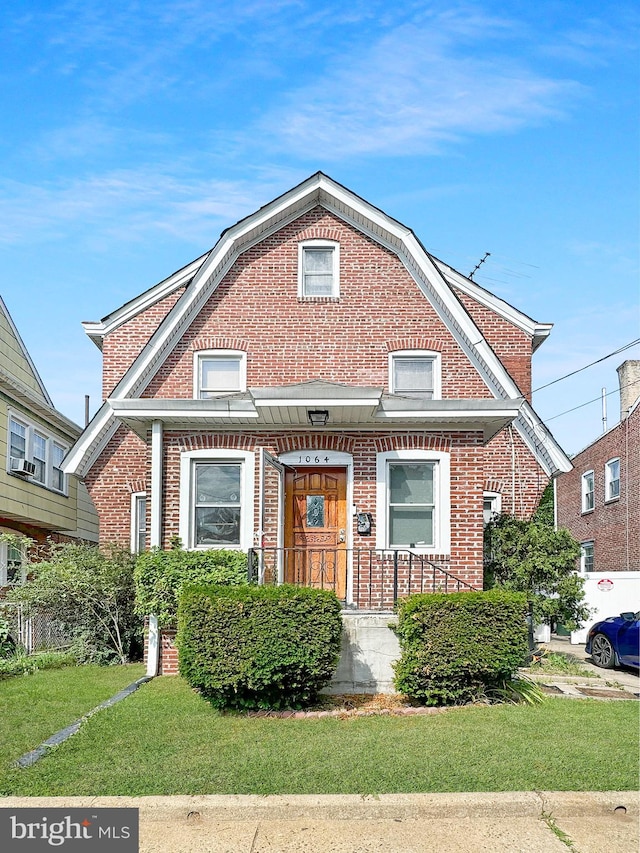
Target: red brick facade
{"type": "Point", "coordinates": [613, 526]}
{"type": "Point", "coordinates": [256, 309]}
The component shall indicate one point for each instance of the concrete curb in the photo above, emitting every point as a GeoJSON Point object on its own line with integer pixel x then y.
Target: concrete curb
{"type": "Point", "coordinates": [353, 807]}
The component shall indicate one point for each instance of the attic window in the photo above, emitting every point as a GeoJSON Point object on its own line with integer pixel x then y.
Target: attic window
{"type": "Point", "coordinates": [415, 373]}
{"type": "Point", "coordinates": [219, 372]}
{"type": "Point", "coordinates": [318, 269]}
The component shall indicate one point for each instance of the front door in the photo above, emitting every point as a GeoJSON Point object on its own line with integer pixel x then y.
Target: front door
{"type": "Point", "coordinates": [316, 528]}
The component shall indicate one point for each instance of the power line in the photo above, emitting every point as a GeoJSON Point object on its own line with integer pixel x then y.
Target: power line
{"type": "Point", "coordinates": [580, 369]}
{"type": "Point", "coordinates": [595, 400]}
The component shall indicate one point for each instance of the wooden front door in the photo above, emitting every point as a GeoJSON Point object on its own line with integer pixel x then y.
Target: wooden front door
{"type": "Point", "coordinates": [315, 528]}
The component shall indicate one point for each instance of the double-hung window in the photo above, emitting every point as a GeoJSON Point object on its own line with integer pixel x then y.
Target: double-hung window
{"type": "Point", "coordinates": [586, 557]}
{"type": "Point", "coordinates": [413, 500]}
{"type": "Point", "coordinates": [415, 374]}
{"type": "Point", "coordinates": [216, 498]}
{"type": "Point", "coordinates": [34, 454]}
{"type": "Point", "coordinates": [219, 372]}
{"type": "Point", "coordinates": [318, 269]}
{"type": "Point", "coordinates": [588, 491]}
{"type": "Point", "coordinates": [612, 480]}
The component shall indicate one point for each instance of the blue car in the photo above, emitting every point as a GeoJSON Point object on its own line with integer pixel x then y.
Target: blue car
{"type": "Point", "coordinates": [615, 641]}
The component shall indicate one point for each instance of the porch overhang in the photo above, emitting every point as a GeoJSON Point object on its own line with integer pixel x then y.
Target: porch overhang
{"type": "Point", "coordinates": [287, 408]}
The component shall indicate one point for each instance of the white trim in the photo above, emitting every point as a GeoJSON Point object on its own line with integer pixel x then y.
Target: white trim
{"type": "Point", "coordinates": [442, 496]}
{"type": "Point", "coordinates": [212, 355]}
{"type": "Point", "coordinates": [247, 498]}
{"type": "Point", "coordinates": [583, 545]}
{"type": "Point", "coordinates": [334, 246]}
{"type": "Point", "coordinates": [431, 355]}
{"type": "Point", "coordinates": [155, 533]}
{"type": "Point", "coordinates": [25, 352]}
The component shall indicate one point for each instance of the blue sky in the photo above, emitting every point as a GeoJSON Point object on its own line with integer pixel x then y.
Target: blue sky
{"type": "Point", "coordinates": [134, 133]}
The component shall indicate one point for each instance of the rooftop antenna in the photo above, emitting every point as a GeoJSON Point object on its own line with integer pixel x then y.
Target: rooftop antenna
{"type": "Point", "coordinates": [479, 264]}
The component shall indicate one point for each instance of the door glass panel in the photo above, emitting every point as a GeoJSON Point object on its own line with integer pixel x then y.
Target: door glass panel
{"type": "Point", "coordinates": [315, 511]}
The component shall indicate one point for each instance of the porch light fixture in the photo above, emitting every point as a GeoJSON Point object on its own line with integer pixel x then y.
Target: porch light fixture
{"type": "Point", "coordinates": [318, 417]}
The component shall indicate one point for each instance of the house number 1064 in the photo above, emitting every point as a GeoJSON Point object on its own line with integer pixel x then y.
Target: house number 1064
{"type": "Point", "coordinates": [314, 459]}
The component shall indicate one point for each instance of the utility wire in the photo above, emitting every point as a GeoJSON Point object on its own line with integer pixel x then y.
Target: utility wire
{"type": "Point", "coordinates": [595, 400]}
{"type": "Point", "coordinates": [580, 369]}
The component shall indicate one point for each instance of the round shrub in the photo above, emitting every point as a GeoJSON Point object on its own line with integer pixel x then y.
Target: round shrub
{"type": "Point", "coordinates": [258, 647]}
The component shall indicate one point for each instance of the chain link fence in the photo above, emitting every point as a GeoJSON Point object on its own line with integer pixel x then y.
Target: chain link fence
{"type": "Point", "coordinates": [36, 631]}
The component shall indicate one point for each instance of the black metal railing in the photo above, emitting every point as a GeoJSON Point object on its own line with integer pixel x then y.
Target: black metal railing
{"type": "Point", "coordinates": [364, 578]}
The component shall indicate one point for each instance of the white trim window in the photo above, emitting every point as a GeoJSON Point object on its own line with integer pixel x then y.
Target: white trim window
{"type": "Point", "coordinates": [612, 480]}
{"type": "Point", "coordinates": [12, 565]}
{"type": "Point", "coordinates": [413, 501]}
{"type": "Point", "coordinates": [30, 445]}
{"type": "Point", "coordinates": [219, 372]}
{"type": "Point", "coordinates": [588, 491]}
{"type": "Point", "coordinates": [415, 373]}
{"type": "Point", "coordinates": [491, 506]}
{"type": "Point", "coordinates": [586, 557]}
{"type": "Point", "coordinates": [216, 499]}
{"type": "Point", "coordinates": [138, 522]}
{"type": "Point", "coordinates": [318, 269]}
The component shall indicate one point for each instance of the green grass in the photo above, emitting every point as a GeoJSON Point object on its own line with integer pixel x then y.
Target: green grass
{"type": "Point", "coordinates": [164, 739]}
{"type": "Point", "coordinates": [33, 707]}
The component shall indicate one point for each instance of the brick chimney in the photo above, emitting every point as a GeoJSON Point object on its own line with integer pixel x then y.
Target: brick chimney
{"type": "Point", "coordinates": [629, 380]}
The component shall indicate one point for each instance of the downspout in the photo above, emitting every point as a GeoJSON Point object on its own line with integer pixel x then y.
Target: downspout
{"type": "Point", "coordinates": [153, 643]}
{"type": "Point", "coordinates": [513, 471]}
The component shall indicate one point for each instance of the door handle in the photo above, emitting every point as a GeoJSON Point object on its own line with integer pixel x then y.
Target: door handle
{"type": "Point", "coordinates": [342, 535]}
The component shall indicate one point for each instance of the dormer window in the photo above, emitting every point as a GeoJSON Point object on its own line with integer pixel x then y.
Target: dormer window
{"type": "Point", "coordinates": [318, 269]}
{"type": "Point", "coordinates": [219, 372]}
{"type": "Point", "coordinates": [415, 373]}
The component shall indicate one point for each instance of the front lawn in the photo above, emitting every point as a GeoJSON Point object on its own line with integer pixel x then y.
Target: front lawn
{"type": "Point", "coordinates": [33, 707]}
{"type": "Point", "coordinates": [164, 739]}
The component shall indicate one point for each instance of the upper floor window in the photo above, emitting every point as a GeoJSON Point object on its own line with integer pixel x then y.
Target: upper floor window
{"type": "Point", "coordinates": [588, 489]}
{"type": "Point", "coordinates": [612, 480]}
{"type": "Point", "coordinates": [415, 373]}
{"type": "Point", "coordinates": [318, 268]}
{"type": "Point", "coordinates": [35, 455]}
{"type": "Point", "coordinates": [219, 372]}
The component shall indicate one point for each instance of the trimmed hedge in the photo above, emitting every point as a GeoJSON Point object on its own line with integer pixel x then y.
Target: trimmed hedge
{"type": "Point", "coordinates": [457, 646]}
{"type": "Point", "coordinates": [258, 647]}
{"type": "Point", "coordinates": [159, 577]}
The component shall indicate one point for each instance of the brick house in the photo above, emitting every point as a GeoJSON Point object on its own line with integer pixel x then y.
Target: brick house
{"type": "Point", "coordinates": [599, 503]}
{"type": "Point", "coordinates": [320, 389]}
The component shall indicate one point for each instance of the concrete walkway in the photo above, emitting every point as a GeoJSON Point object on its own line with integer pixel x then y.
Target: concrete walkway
{"type": "Point", "coordinates": [623, 676]}
{"type": "Point", "coordinates": [531, 822]}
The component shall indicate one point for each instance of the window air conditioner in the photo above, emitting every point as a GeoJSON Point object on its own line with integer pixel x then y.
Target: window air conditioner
{"type": "Point", "coordinates": [23, 466]}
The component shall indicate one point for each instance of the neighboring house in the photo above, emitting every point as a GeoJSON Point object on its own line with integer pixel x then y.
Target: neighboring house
{"type": "Point", "coordinates": [599, 503]}
{"type": "Point", "coordinates": [320, 389]}
{"type": "Point", "coordinates": [37, 499]}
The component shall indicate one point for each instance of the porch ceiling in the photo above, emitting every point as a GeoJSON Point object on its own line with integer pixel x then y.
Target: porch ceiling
{"type": "Point", "coordinates": [287, 407]}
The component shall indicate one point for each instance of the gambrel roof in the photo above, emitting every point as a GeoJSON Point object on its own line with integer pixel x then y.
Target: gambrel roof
{"type": "Point", "coordinates": [202, 276]}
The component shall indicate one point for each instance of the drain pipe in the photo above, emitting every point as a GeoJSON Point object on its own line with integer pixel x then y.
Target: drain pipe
{"type": "Point", "coordinates": [155, 539]}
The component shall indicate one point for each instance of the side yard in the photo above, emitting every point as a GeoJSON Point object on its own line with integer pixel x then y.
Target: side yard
{"type": "Point", "coordinates": [164, 739]}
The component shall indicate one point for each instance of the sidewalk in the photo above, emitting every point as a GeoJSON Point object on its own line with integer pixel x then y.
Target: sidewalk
{"type": "Point", "coordinates": [626, 677]}
{"type": "Point", "coordinates": [519, 822]}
